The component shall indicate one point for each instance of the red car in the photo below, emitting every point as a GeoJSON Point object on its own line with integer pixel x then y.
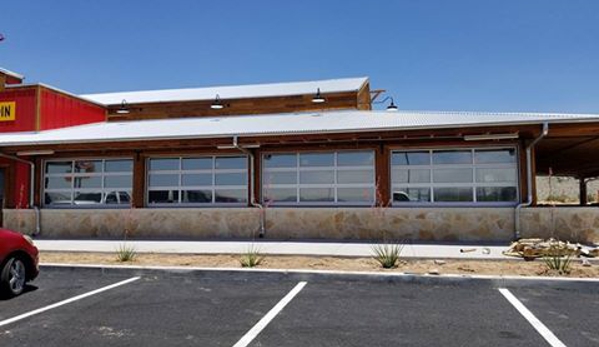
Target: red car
{"type": "Point", "coordinates": [19, 262]}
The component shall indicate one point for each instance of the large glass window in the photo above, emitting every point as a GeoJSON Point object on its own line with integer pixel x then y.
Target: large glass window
{"type": "Point", "coordinates": [455, 176]}
{"type": "Point", "coordinates": [345, 177]}
{"type": "Point", "coordinates": [88, 182]}
{"type": "Point", "coordinates": [198, 180]}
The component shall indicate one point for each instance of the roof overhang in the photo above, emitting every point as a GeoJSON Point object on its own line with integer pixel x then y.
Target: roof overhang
{"type": "Point", "coordinates": [261, 126]}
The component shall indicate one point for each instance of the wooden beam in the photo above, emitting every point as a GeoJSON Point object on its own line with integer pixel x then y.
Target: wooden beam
{"type": "Point", "coordinates": [375, 94]}
{"type": "Point", "coordinates": [252, 106]}
{"type": "Point", "coordinates": [383, 175]}
{"type": "Point", "coordinates": [139, 180]}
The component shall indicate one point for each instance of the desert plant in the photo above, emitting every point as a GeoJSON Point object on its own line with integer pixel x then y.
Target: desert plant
{"type": "Point", "coordinates": [387, 254]}
{"type": "Point", "coordinates": [559, 258]}
{"type": "Point", "coordinates": [125, 253]}
{"type": "Point", "coordinates": [252, 257]}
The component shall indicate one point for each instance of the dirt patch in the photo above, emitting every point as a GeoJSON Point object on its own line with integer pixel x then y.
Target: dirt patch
{"type": "Point", "coordinates": [448, 266]}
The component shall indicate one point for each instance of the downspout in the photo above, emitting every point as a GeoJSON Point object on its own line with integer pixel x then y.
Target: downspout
{"type": "Point", "coordinates": [253, 201]}
{"type": "Point", "coordinates": [529, 178]}
{"type": "Point", "coordinates": [36, 209]}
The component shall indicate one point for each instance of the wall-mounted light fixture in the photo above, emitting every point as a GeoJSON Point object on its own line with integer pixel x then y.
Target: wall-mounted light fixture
{"type": "Point", "coordinates": [484, 137]}
{"type": "Point", "coordinates": [318, 99]}
{"type": "Point", "coordinates": [124, 108]}
{"type": "Point", "coordinates": [217, 104]}
{"type": "Point", "coordinates": [392, 107]}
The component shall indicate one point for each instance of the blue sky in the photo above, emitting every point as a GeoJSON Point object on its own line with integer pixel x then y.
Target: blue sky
{"type": "Point", "coordinates": [429, 55]}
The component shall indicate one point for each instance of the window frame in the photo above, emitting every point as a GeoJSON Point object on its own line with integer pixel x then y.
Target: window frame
{"type": "Point", "coordinates": [73, 175]}
{"type": "Point", "coordinates": [473, 184]}
{"type": "Point", "coordinates": [180, 188]}
{"type": "Point", "coordinates": [335, 168]}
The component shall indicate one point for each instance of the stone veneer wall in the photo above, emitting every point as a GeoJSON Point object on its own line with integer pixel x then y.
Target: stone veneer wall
{"type": "Point", "coordinates": [579, 224]}
{"type": "Point", "coordinates": [426, 224]}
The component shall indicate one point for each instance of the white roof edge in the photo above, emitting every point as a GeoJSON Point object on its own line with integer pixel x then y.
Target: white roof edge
{"type": "Point", "coordinates": [12, 74]}
{"type": "Point", "coordinates": [357, 83]}
{"type": "Point", "coordinates": [289, 133]}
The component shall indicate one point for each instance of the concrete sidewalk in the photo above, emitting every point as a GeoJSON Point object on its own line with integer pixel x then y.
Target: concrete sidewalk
{"type": "Point", "coordinates": [348, 249]}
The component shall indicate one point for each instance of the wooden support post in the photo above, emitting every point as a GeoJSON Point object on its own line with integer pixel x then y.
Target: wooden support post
{"type": "Point", "coordinates": [257, 176]}
{"type": "Point", "coordinates": [582, 184]}
{"type": "Point", "coordinates": [533, 167]}
{"type": "Point", "coordinates": [522, 166]}
{"type": "Point", "coordinates": [383, 181]}
{"type": "Point", "coordinates": [37, 183]}
{"type": "Point", "coordinates": [139, 180]}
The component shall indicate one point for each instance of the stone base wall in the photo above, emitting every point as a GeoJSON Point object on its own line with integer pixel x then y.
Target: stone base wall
{"type": "Point", "coordinates": [425, 224]}
{"type": "Point", "coordinates": [580, 224]}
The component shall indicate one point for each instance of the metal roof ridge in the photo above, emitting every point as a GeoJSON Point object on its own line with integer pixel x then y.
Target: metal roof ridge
{"type": "Point", "coordinates": [362, 78]}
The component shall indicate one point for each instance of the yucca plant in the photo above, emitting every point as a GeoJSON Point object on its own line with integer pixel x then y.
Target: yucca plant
{"type": "Point", "coordinates": [387, 254]}
{"type": "Point", "coordinates": [559, 263]}
{"type": "Point", "coordinates": [252, 257]}
{"type": "Point", "coordinates": [559, 258]}
{"type": "Point", "coordinates": [125, 253]}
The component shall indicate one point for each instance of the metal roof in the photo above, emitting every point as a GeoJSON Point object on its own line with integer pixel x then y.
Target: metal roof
{"type": "Point", "coordinates": [231, 92]}
{"type": "Point", "coordinates": [12, 74]}
{"type": "Point", "coordinates": [280, 124]}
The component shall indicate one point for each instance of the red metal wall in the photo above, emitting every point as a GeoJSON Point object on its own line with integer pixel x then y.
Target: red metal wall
{"type": "Point", "coordinates": [25, 109]}
{"type": "Point", "coordinates": [56, 110]}
{"type": "Point", "coordinates": [60, 110]}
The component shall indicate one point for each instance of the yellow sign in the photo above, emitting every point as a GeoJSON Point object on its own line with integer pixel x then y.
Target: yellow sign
{"type": "Point", "coordinates": [8, 111]}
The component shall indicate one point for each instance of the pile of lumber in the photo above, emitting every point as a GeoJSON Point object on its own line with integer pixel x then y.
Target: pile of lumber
{"type": "Point", "coordinates": [537, 248]}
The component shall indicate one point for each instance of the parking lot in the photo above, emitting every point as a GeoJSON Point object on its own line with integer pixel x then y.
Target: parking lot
{"type": "Point", "coordinates": [93, 307]}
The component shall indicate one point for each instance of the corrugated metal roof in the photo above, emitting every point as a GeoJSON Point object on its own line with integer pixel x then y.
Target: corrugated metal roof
{"type": "Point", "coordinates": [281, 124]}
{"type": "Point", "coordinates": [231, 92]}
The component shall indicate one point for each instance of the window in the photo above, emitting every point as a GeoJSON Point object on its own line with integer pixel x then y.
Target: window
{"type": "Point", "coordinates": [198, 180]}
{"type": "Point", "coordinates": [455, 176]}
{"type": "Point", "coordinates": [345, 177]}
{"type": "Point", "coordinates": [88, 182]}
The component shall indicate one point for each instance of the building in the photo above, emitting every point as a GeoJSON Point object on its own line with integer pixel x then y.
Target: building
{"type": "Point", "coordinates": [297, 160]}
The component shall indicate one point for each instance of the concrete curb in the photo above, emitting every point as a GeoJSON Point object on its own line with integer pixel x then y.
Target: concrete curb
{"type": "Point", "coordinates": [586, 284]}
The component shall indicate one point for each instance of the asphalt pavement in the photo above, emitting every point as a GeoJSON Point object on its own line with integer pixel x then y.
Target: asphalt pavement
{"type": "Point", "coordinates": [119, 307]}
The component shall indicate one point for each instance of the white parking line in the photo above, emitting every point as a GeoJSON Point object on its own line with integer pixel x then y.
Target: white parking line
{"type": "Point", "coordinates": [254, 331]}
{"type": "Point", "coordinates": [67, 301]}
{"type": "Point", "coordinates": [530, 317]}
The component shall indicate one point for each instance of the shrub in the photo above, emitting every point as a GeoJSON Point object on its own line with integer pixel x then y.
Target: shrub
{"type": "Point", "coordinates": [126, 253]}
{"type": "Point", "coordinates": [387, 254]}
{"type": "Point", "coordinates": [252, 257]}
